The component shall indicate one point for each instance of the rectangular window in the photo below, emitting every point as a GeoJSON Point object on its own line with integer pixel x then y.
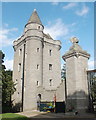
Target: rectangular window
{"type": "Point", "coordinates": [37, 66]}
{"type": "Point", "coordinates": [50, 52]}
{"type": "Point", "coordinates": [50, 82]}
{"type": "Point", "coordinates": [37, 83]}
{"type": "Point", "coordinates": [50, 66]}
{"type": "Point", "coordinates": [37, 49]}
{"type": "Point", "coordinates": [20, 52]}
{"type": "Point", "coordinates": [19, 67]}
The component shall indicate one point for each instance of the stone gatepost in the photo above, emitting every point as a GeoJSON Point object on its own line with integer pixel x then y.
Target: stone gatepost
{"type": "Point", "coordinates": [76, 77]}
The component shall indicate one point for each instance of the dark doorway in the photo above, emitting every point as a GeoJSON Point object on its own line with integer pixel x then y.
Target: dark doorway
{"type": "Point", "coordinates": [38, 101]}
{"type": "Point", "coordinates": [60, 107]}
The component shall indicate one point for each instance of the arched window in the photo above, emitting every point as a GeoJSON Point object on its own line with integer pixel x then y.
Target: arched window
{"type": "Point", "coordinates": [39, 98]}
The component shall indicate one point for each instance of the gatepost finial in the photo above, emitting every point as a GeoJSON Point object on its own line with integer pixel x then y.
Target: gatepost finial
{"type": "Point", "coordinates": [74, 40]}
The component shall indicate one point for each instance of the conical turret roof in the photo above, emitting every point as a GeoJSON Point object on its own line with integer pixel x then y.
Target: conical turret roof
{"type": "Point", "coordinates": [35, 18]}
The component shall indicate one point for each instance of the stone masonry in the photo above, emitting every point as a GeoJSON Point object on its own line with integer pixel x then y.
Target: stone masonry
{"type": "Point", "coordinates": [76, 77]}
{"type": "Point", "coordinates": [37, 70]}
{"type": "Point", "coordinates": [37, 67]}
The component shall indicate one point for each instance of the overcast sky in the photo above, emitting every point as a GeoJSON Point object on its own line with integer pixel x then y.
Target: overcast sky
{"type": "Point", "coordinates": [61, 20]}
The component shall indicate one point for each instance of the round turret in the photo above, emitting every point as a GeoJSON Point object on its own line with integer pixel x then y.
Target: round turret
{"type": "Point", "coordinates": [34, 26]}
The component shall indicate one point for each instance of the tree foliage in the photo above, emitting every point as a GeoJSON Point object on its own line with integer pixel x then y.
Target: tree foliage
{"type": "Point", "coordinates": [8, 87]}
{"type": "Point", "coordinates": [93, 89]}
{"type": "Point", "coordinates": [63, 72]}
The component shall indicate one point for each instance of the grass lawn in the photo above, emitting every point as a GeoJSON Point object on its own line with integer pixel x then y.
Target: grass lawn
{"type": "Point", "coordinates": [12, 116]}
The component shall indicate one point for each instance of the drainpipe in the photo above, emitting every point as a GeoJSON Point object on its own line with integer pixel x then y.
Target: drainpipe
{"type": "Point", "coordinates": [42, 59]}
{"type": "Point", "coordinates": [23, 77]}
{"type": "Point", "coordinates": [65, 94]}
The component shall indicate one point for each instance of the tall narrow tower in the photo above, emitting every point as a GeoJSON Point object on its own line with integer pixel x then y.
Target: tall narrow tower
{"type": "Point", "coordinates": [36, 71]}
{"type": "Point", "coordinates": [28, 59]}
{"type": "Point", "coordinates": [76, 77]}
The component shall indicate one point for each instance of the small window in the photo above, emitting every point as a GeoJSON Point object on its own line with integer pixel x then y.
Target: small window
{"type": "Point", "coordinates": [19, 67]}
{"type": "Point", "coordinates": [37, 49]}
{"type": "Point", "coordinates": [20, 52]}
{"type": "Point", "coordinates": [50, 52]}
{"type": "Point", "coordinates": [39, 27]}
{"type": "Point", "coordinates": [50, 82]}
{"type": "Point", "coordinates": [50, 66]}
{"type": "Point", "coordinates": [37, 66]}
{"type": "Point", "coordinates": [37, 83]}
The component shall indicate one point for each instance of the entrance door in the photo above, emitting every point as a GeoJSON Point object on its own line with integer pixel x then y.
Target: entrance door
{"type": "Point", "coordinates": [38, 101]}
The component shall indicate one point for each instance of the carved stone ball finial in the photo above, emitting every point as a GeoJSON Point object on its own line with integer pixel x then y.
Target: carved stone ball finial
{"type": "Point", "coordinates": [74, 40]}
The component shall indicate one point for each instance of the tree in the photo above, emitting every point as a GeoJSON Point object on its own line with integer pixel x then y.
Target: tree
{"type": "Point", "coordinates": [63, 72]}
{"type": "Point", "coordinates": [2, 68]}
{"type": "Point", "coordinates": [63, 78]}
{"type": "Point", "coordinates": [93, 89]}
{"type": "Point", "coordinates": [8, 87]}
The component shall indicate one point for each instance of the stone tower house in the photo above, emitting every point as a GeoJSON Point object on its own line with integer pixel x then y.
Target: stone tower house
{"type": "Point", "coordinates": [76, 77]}
{"type": "Point", "coordinates": [36, 70]}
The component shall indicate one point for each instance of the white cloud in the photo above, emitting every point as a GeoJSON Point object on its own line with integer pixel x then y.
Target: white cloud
{"type": "Point", "coordinates": [56, 29]}
{"type": "Point", "coordinates": [83, 11]}
{"type": "Point", "coordinates": [8, 64]}
{"type": "Point", "coordinates": [69, 5]}
{"type": "Point", "coordinates": [6, 37]}
{"type": "Point", "coordinates": [91, 64]}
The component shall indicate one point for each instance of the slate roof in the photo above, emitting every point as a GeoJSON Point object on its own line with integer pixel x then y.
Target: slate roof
{"type": "Point", "coordinates": [35, 18]}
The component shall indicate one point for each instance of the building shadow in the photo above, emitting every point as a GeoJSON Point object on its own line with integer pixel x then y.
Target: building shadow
{"type": "Point", "coordinates": [79, 101]}
{"type": "Point", "coordinates": [17, 107]}
{"type": "Point", "coordinates": [59, 116]}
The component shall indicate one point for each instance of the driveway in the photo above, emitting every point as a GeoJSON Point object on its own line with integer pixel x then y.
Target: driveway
{"type": "Point", "coordinates": [36, 115]}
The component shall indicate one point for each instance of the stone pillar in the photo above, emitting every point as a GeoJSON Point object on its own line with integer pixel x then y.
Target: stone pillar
{"type": "Point", "coordinates": [76, 77]}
